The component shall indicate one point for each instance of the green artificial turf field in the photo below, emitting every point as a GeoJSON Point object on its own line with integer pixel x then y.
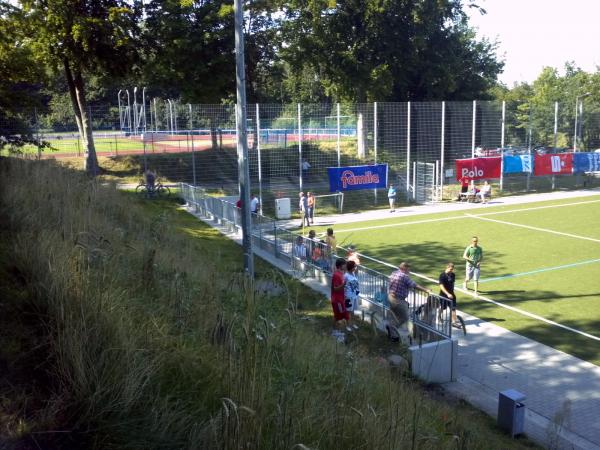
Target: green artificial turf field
{"type": "Point", "coordinates": [541, 258]}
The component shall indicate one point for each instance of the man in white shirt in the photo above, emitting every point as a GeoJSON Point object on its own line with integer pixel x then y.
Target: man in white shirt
{"type": "Point", "coordinates": [254, 204]}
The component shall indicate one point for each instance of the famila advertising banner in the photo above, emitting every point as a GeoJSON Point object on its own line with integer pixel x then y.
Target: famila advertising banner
{"type": "Point", "coordinates": [478, 168]}
{"type": "Point", "coordinates": [353, 178]}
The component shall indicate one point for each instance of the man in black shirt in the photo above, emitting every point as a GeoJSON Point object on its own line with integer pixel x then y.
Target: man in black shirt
{"type": "Point", "coordinates": [446, 281]}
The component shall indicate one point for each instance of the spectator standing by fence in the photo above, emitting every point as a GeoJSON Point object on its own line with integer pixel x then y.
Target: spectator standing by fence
{"type": "Point", "coordinates": [473, 255]}
{"type": "Point", "coordinates": [331, 241]}
{"type": "Point", "coordinates": [351, 292]}
{"type": "Point", "coordinates": [446, 282]}
{"type": "Point", "coordinates": [399, 287]}
{"type": "Point", "coordinates": [353, 255]}
{"type": "Point", "coordinates": [340, 314]}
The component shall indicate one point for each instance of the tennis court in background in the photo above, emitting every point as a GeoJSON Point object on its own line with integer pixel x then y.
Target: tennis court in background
{"type": "Point", "coordinates": [541, 270]}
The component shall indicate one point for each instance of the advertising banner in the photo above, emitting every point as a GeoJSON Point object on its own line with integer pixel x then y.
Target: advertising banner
{"type": "Point", "coordinates": [559, 164]}
{"type": "Point", "coordinates": [478, 168]}
{"type": "Point", "coordinates": [517, 164]}
{"type": "Point", "coordinates": [357, 177]}
{"type": "Point", "coordinates": [586, 162]}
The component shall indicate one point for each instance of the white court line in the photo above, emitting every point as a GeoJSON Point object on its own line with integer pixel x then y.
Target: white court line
{"type": "Point", "coordinates": [546, 269]}
{"type": "Point", "coordinates": [442, 219]}
{"type": "Point", "coordinates": [533, 208]}
{"type": "Point", "coordinates": [560, 233]}
{"type": "Point", "coordinates": [502, 305]}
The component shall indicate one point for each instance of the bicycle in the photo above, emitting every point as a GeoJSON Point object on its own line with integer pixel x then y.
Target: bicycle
{"type": "Point", "coordinates": [150, 191]}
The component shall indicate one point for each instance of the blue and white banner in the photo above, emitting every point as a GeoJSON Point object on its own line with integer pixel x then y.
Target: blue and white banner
{"type": "Point", "coordinates": [586, 162]}
{"type": "Point", "coordinates": [517, 164]}
{"type": "Point", "coordinates": [357, 177]}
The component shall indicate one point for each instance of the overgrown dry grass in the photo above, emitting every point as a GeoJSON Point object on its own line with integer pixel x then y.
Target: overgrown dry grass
{"type": "Point", "coordinates": [152, 338]}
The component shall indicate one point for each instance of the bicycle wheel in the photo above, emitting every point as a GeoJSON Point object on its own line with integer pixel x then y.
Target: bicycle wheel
{"type": "Point", "coordinates": [163, 190]}
{"type": "Point", "coordinates": [142, 189]}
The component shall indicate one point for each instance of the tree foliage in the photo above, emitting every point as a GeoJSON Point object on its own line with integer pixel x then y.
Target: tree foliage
{"type": "Point", "coordinates": [394, 50]}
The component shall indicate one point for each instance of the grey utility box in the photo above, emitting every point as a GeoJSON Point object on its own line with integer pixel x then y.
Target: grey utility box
{"type": "Point", "coordinates": [511, 411]}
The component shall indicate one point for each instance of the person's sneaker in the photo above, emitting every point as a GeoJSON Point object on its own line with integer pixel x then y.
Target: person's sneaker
{"type": "Point", "coordinates": [349, 329]}
{"type": "Point", "coordinates": [456, 324]}
{"type": "Point", "coordinates": [355, 326]}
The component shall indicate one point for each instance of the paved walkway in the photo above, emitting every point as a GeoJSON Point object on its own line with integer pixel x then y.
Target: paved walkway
{"type": "Point", "coordinates": [563, 392]}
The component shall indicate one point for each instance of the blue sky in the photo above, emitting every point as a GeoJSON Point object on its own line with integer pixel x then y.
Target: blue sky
{"type": "Point", "coordinates": [537, 33]}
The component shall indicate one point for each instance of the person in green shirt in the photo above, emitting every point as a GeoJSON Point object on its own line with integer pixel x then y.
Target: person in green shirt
{"type": "Point", "coordinates": [473, 255]}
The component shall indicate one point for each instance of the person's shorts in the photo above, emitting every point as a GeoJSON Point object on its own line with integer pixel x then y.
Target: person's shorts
{"type": "Point", "coordinates": [339, 310]}
{"type": "Point", "coordinates": [445, 304]}
{"type": "Point", "coordinates": [472, 272]}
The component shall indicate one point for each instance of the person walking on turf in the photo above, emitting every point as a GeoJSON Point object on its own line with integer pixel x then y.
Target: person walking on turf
{"type": "Point", "coordinates": [473, 255]}
{"type": "Point", "coordinates": [399, 287]}
{"type": "Point", "coordinates": [392, 197]}
{"type": "Point", "coordinates": [446, 281]}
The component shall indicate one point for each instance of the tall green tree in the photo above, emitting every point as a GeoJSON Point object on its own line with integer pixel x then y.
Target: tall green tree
{"type": "Point", "coordinates": [20, 80]}
{"type": "Point", "coordinates": [83, 37]}
{"type": "Point", "coordinates": [395, 50]}
{"type": "Point", "coordinates": [189, 49]}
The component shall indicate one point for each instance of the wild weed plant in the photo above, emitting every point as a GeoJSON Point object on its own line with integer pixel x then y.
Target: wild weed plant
{"type": "Point", "coordinates": [156, 342]}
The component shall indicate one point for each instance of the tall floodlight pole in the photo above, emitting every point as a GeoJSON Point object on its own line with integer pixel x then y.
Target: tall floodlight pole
{"type": "Point", "coordinates": [242, 143]}
{"type": "Point", "coordinates": [135, 111]}
{"type": "Point", "coordinates": [575, 131]}
{"type": "Point", "coordinates": [128, 111]}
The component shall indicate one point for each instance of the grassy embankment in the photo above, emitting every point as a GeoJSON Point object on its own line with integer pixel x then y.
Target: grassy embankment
{"type": "Point", "coordinates": [128, 324]}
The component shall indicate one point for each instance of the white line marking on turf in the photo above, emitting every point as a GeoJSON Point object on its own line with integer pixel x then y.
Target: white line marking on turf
{"type": "Point", "coordinates": [502, 305]}
{"type": "Point", "coordinates": [533, 208]}
{"type": "Point", "coordinates": [533, 228]}
{"type": "Point", "coordinates": [547, 269]}
{"type": "Point", "coordinates": [390, 225]}
{"type": "Point", "coordinates": [442, 219]}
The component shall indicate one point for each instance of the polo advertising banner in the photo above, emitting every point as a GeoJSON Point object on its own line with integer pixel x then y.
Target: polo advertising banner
{"type": "Point", "coordinates": [357, 177]}
{"type": "Point", "coordinates": [560, 164]}
{"type": "Point", "coordinates": [517, 164]}
{"type": "Point", "coordinates": [478, 168]}
{"type": "Point", "coordinates": [586, 162]}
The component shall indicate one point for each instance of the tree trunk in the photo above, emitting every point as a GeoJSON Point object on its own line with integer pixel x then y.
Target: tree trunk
{"type": "Point", "coordinates": [71, 84]}
{"type": "Point", "coordinates": [84, 124]}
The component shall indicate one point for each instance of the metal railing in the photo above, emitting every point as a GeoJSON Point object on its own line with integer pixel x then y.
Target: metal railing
{"type": "Point", "coordinates": [313, 258]}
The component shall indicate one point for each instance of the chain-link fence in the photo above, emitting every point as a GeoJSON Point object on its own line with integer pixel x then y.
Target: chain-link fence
{"type": "Point", "coordinates": [291, 146]}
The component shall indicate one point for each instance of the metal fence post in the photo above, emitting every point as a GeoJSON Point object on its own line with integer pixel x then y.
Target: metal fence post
{"type": "Point", "coordinates": [339, 163]}
{"type": "Point", "coordinates": [375, 144]}
{"type": "Point", "coordinates": [473, 129]}
{"type": "Point", "coordinates": [257, 137]}
{"type": "Point", "coordinates": [300, 145]}
{"type": "Point", "coordinates": [502, 133]}
{"type": "Point", "coordinates": [442, 152]}
{"type": "Point", "coordinates": [408, 151]}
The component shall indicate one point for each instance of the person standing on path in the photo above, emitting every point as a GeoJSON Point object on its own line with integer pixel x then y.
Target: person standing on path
{"type": "Point", "coordinates": [303, 206]}
{"type": "Point", "coordinates": [473, 255]}
{"type": "Point", "coordinates": [311, 207]}
{"type": "Point", "coordinates": [446, 281]}
{"type": "Point", "coordinates": [392, 197]}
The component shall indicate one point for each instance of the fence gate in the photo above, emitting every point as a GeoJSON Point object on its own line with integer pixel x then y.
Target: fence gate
{"type": "Point", "coordinates": [426, 189]}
